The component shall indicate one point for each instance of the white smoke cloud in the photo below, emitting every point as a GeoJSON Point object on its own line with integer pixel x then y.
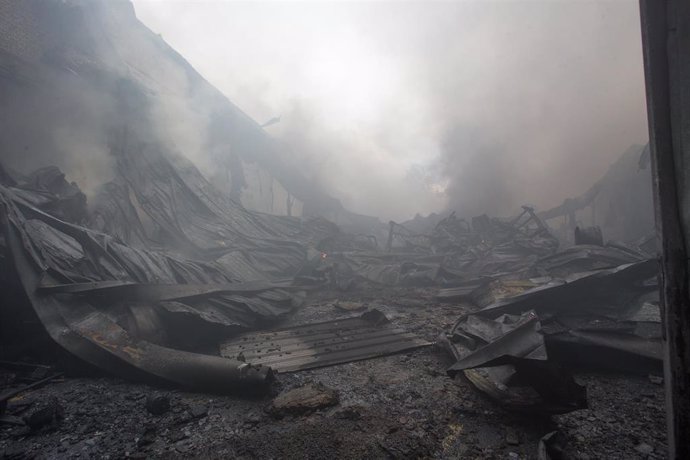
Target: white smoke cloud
{"type": "Point", "coordinates": [390, 104]}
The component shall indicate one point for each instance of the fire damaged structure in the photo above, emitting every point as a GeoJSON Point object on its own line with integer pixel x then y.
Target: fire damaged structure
{"type": "Point", "coordinates": [182, 279]}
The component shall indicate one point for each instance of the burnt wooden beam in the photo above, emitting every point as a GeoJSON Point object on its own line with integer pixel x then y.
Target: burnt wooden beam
{"type": "Point", "coordinates": [666, 49]}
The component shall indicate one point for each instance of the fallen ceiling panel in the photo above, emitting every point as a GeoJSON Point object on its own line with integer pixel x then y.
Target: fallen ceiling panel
{"type": "Point", "coordinates": [323, 344]}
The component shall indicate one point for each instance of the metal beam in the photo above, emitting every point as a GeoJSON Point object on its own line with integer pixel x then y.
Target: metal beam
{"type": "Point", "coordinates": [666, 49]}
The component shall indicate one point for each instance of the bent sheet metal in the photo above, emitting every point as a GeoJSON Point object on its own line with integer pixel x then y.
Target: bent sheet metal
{"type": "Point", "coordinates": [323, 344]}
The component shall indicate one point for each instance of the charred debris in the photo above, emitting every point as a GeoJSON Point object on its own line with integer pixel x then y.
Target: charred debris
{"type": "Point", "coordinates": [163, 279]}
{"type": "Point", "coordinates": [165, 275]}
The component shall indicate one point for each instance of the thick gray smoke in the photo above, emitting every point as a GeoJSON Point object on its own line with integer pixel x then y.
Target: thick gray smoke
{"type": "Point", "coordinates": [64, 124]}
{"type": "Point", "coordinates": [388, 105]}
{"type": "Point", "coordinates": [395, 109]}
{"type": "Point", "coordinates": [556, 95]}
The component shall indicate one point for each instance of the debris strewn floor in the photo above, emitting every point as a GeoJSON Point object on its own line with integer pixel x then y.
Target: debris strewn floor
{"type": "Point", "coordinates": [397, 406]}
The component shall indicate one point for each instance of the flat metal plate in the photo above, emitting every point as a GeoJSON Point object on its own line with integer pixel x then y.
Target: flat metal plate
{"type": "Point", "coordinates": [323, 344]}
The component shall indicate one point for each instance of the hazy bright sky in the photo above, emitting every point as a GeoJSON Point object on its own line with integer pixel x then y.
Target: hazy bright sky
{"type": "Point", "coordinates": [387, 103]}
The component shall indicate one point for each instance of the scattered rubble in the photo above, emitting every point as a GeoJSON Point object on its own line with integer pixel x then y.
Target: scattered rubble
{"type": "Point", "coordinates": [443, 417]}
{"type": "Point", "coordinates": [185, 314]}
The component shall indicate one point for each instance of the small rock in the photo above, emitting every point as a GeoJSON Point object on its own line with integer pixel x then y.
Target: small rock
{"type": "Point", "coordinates": [252, 419]}
{"type": "Point", "coordinates": [655, 379]}
{"type": "Point", "coordinates": [48, 413]}
{"type": "Point", "coordinates": [512, 437]}
{"type": "Point", "coordinates": [158, 404]}
{"type": "Point", "coordinates": [513, 455]}
{"type": "Point", "coordinates": [644, 448]}
{"type": "Point", "coordinates": [304, 399]}
{"type": "Point", "coordinates": [348, 413]}
{"type": "Point", "coordinates": [181, 447]}
{"type": "Point", "coordinates": [197, 410]}
{"type": "Point", "coordinates": [177, 436]}
{"type": "Point", "coordinates": [147, 437]}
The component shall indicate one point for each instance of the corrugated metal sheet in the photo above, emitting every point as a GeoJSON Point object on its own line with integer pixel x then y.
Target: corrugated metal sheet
{"type": "Point", "coordinates": [323, 344]}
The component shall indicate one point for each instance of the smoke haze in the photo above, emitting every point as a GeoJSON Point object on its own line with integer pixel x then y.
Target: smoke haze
{"type": "Point", "coordinates": [65, 125]}
{"type": "Point", "coordinates": [404, 108]}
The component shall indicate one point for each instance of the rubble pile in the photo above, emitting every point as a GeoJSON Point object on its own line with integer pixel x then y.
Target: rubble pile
{"type": "Point", "coordinates": [162, 270]}
{"type": "Point", "coordinates": [328, 332]}
{"type": "Point", "coordinates": [149, 281]}
{"type": "Point", "coordinates": [453, 253]}
{"type": "Point", "coordinates": [517, 348]}
{"type": "Point", "coordinates": [162, 279]}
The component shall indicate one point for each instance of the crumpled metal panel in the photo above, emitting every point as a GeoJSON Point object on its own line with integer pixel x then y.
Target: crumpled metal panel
{"type": "Point", "coordinates": [95, 338]}
{"type": "Point", "coordinates": [158, 186]}
{"type": "Point", "coordinates": [502, 348]}
{"type": "Point", "coordinates": [491, 341]}
{"type": "Point", "coordinates": [323, 344]}
{"type": "Point", "coordinates": [77, 280]}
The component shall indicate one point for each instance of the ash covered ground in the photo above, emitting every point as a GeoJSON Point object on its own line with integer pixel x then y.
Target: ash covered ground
{"type": "Point", "coordinates": [399, 406]}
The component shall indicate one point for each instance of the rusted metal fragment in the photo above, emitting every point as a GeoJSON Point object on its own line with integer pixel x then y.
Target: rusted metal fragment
{"type": "Point", "coordinates": [498, 290]}
{"type": "Point", "coordinates": [323, 344]}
